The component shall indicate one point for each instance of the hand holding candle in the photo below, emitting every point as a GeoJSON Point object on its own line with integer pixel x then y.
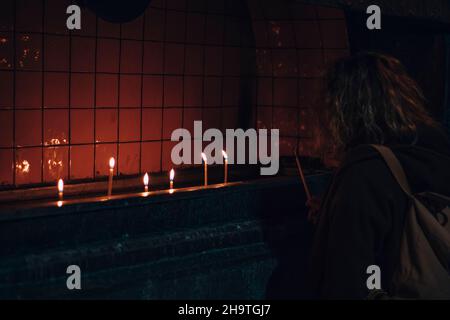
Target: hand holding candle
{"type": "Point", "coordinates": [112, 163]}
{"type": "Point", "coordinates": [225, 174]}
{"type": "Point", "coordinates": [205, 161]}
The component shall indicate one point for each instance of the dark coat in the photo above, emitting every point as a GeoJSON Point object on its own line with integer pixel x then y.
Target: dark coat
{"type": "Point", "coordinates": [364, 211]}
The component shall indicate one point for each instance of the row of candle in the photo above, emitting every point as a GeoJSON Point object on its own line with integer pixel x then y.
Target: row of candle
{"type": "Point", "coordinates": [146, 178]}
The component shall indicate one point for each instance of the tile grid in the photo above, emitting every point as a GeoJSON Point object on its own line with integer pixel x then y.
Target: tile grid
{"type": "Point", "coordinates": [95, 100]}
{"type": "Point", "coordinates": [117, 164]}
{"type": "Point", "coordinates": [163, 87]}
{"type": "Point", "coordinates": [164, 106]}
{"type": "Point", "coordinates": [300, 111]}
{"type": "Point", "coordinates": [69, 101]}
{"type": "Point", "coordinates": [142, 92]}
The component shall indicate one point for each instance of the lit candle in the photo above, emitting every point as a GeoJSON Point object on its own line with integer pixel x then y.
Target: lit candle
{"type": "Point", "coordinates": [146, 179]}
{"type": "Point", "coordinates": [172, 176]}
{"type": "Point", "coordinates": [225, 175]}
{"type": "Point", "coordinates": [205, 161]}
{"type": "Point", "coordinates": [112, 163]}
{"type": "Point", "coordinates": [60, 189]}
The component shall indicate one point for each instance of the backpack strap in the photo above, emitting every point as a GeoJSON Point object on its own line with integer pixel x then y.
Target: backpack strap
{"type": "Point", "coordinates": [395, 166]}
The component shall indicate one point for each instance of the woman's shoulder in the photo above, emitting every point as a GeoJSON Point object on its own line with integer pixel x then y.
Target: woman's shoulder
{"type": "Point", "coordinates": [360, 158]}
{"type": "Point", "coordinates": [364, 186]}
{"type": "Point", "coordinates": [364, 168]}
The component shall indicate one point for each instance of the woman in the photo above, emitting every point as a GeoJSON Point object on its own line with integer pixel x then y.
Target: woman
{"type": "Point", "coordinates": [372, 100]}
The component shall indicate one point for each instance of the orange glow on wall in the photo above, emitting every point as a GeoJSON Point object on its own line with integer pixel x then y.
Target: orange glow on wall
{"type": "Point", "coordinates": [69, 102]}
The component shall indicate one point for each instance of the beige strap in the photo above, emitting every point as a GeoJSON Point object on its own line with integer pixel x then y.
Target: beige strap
{"type": "Point", "coordinates": [395, 166]}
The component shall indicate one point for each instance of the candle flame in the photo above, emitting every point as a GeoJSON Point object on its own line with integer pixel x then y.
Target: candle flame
{"type": "Point", "coordinates": [172, 174]}
{"type": "Point", "coordinates": [146, 179]}
{"type": "Point", "coordinates": [224, 154]}
{"type": "Point", "coordinates": [112, 163]}
{"type": "Point", "coordinates": [60, 185]}
{"type": "Point", "coordinates": [204, 157]}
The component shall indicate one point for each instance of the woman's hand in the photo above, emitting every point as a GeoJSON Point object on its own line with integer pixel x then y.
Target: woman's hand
{"type": "Point", "coordinates": [314, 207]}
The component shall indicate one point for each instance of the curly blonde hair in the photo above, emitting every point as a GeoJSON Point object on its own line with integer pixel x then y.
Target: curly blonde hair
{"type": "Point", "coordinates": [370, 99]}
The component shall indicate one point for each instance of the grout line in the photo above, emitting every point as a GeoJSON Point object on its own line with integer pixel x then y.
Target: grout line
{"type": "Point", "coordinates": [203, 70]}
{"type": "Point", "coordinates": [99, 143]}
{"type": "Point", "coordinates": [116, 169]}
{"type": "Point", "coordinates": [142, 90]}
{"type": "Point", "coordinates": [297, 88]}
{"type": "Point", "coordinates": [70, 102]}
{"type": "Point", "coordinates": [95, 99]}
{"type": "Point", "coordinates": [184, 68]}
{"type": "Point", "coordinates": [173, 74]}
{"type": "Point", "coordinates": [222, 82]}
{"type": "Point", "coordinates": [163, 101]}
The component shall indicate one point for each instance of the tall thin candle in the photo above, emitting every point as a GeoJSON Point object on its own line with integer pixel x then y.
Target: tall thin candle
{"type": "Point", "coordinates": [146, 181]}
{"type": "Point", "coordinates": [112, 163]}
{"type": "Point", "coordinates": [172, 176]}
{"type": "Point", "coordinates": [205, 175]}
{"type": "Point", "coordinates": [60, 189]}
{"type": "Point", "coordinates": [225, 174]}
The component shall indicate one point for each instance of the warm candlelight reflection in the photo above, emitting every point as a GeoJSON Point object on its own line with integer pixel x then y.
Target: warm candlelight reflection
{"type": "Point", "coordinates": [23, 167]}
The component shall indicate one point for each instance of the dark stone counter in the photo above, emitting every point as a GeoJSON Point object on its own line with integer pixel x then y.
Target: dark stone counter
{"type": "Point", "coordinates": [214, 243]}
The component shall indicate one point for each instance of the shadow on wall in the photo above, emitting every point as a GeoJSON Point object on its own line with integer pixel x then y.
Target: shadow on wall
{"type": "Point", "coordinates": [117, 11]}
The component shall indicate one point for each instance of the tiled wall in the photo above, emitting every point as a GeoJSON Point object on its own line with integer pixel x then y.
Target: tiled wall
{"type": "Point", "coordinates": [71, 100]}
{"type": "Point", "coordinates": [295, 42]}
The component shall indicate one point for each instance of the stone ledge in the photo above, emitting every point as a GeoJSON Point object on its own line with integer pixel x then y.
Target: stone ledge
{"type": "Point", "coordinates": [141, 247]}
